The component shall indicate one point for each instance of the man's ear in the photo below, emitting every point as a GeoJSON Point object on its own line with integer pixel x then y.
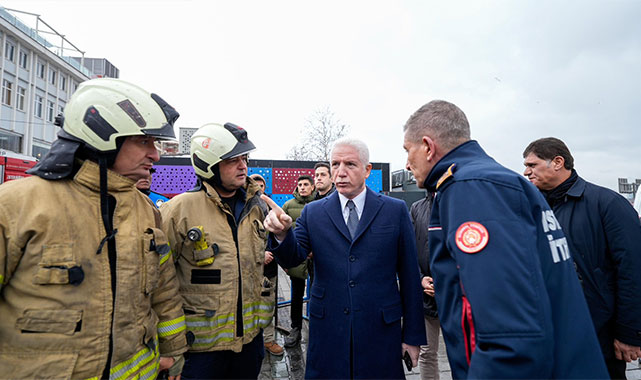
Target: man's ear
{"type": "Point", "coordinates": [429, 146]}
{"type": "Point", "coordinates": [558, 163]}
{"type": "Point", "coordinates": [368, 170]}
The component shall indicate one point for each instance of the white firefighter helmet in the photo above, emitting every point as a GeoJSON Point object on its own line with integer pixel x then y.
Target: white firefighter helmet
{"type": "Point", "coordinates": [101, 110]}
{"type": "Point", "coordinates": [213, 143]}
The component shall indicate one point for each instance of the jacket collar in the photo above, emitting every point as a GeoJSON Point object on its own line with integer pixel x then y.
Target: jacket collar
{"type": "Point", "coordinates": [249, 189]}
{"type": "Point", "coordinates": [251, 196]}
{"type": "Point", "coordinates": [327, 194]}
{"type": "Point", "coordinates": [576, 191]}
{"type": "Point", "coordinates": [301, 198]}
{"type": "Point", "coordinates": [89, 176]}
{"type": "Point", "coordinates": [467, 152]}
{"type": "Point", "coordinates": [373, 204]}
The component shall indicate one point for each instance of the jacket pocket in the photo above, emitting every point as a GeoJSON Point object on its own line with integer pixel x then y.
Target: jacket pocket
{"type": "Point", "coordinates": [58, 266]}
{"type": "Point", "coordinates": [155, 245]}
{"type": "Point", "coordinates": [392, 314]}
{"type": "Point", "coordinates": [65, 322]}
{"type": "Point", "coordinates": [318, 292]}
{"type": "Point", "coordinates": [259, 241]}
{"type": "Point", "coordinates": [35, 365]}
{"type": "Point", "coordinates": [201, 252]}
{"type": "Point", "coordinates": [317, 310]}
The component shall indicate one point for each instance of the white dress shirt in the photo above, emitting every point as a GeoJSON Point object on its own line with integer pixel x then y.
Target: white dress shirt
{"type": "Point", "coordinates": [359, 202]}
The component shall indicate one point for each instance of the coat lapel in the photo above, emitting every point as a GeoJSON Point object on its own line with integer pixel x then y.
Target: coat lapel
{"type": "Point", "coordinates": [333, 209]}
{"type": "Point", "coordinates": [373, 204]}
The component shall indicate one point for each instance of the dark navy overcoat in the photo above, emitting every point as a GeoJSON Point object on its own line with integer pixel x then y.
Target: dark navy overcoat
{"type": "Point", "coordinates": [356, 300]}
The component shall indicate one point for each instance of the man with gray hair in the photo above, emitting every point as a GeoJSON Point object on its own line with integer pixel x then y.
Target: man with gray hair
{"type": "Point", "coordinates": [362, 242]}
{"type": "Point", "coordinates": [509, 301]}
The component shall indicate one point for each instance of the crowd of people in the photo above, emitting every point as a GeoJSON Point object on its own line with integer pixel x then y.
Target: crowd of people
{"type": "Point", "coordinates": [526, 276]}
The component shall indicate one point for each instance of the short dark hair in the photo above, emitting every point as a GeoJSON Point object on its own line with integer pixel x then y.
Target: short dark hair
{"type": "Point", "coordinates": [549, 147]}
{"type": "Point", "coordinates": [258, 177]}
{"type": "Point", "coordinates": [305, 177]}
{"type": "Point", "coordinates": [322, 165]}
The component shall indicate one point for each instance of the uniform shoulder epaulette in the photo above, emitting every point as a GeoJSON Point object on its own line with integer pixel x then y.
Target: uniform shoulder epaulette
{"type": "Point", "coordinates": [448, 174]}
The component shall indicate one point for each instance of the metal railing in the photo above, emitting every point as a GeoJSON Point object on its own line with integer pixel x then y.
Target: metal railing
{"type": "Point", "coordinates": [34, 35]}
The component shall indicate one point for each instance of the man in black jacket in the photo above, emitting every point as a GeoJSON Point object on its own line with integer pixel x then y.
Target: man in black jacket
{"type": "Point", "coordinates": [323, 180]}
{"type": "Point", "coordinates": [428, 356]}
{"type": "Point", "coordinates": [604, 236]}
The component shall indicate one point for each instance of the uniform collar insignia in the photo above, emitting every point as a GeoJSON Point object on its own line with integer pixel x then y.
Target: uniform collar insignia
{"type": "Point", "coordinates": [449, 173]}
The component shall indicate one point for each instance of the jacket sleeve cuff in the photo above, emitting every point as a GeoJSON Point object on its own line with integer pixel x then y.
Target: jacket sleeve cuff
{"type": "Point", "coordinates": [628, 335]}
{"type": "Point", "coordinates": [174, 347]}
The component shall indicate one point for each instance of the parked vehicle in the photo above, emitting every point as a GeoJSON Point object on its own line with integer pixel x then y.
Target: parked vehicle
{"type": "Point", "coordinates": [14, 165]}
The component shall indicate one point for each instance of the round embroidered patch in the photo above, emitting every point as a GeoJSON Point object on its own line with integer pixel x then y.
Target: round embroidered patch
{"type": "Point", "coordinates": [471, 237]}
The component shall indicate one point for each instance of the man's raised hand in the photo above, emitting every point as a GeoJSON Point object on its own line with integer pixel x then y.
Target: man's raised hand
{"type": "Point", "coordinates": [277, 221]}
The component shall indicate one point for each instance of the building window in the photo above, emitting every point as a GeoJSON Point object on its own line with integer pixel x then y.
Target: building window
{"type": "Point", "coordinates": [60, 110]}
{"type": "Point", "coordinates": [52, 76]}
{"type": "Point", "coordinates": [39, 152]}
{"type": "Point", "coordinates": [63, 82]}
{"type": "Point", "coordinates": [24, 59]}
{"type": "Point", "coordinates": [20, 96]}
{"type": "Point", "coordinates": [37, 107]}
{"type": "Point", "coordinates": [10, 142]}
{"type": "Point", "coordinates": [8, 51]}
{"type": "Point", "coordinates": [41, 70]}
{"type": "Point", "coordinates": [50, 108]}
{"type": "Point", "coordinates": [7, 91]}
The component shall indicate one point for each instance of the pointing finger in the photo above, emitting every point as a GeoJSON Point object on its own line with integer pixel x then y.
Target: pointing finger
{"type": "Point", "coordinates": [272, 205]}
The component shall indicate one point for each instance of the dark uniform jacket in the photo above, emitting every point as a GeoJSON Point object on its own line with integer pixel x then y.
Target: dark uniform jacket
{"type": "Point", "coordinates": [509, 300]}
{"type": "Point", "coordinates": [604, 236]}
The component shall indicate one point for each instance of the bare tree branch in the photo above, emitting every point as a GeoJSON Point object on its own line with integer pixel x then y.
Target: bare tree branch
{"type": "Point", "coordinates": [319, 133]}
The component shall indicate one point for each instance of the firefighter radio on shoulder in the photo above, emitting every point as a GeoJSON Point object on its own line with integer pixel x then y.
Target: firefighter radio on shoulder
{"type": "Point", "coordinates": [204, 254]}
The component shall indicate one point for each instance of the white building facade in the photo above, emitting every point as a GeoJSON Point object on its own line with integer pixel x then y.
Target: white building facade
{"type": "Point", "coordinates": [36, 80]}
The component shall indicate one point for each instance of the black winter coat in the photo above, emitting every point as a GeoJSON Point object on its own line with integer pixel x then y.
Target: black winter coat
{"type": "Point", "coordinates": [604, 237]}
{"type": "Point", "coordinates": [420, 214]}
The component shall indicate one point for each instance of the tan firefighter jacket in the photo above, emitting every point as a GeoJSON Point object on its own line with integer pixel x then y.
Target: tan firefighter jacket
{"type": "Point", "coordinates": [210, 290]}
{"type": "Point", "coordinates": [56, 302]}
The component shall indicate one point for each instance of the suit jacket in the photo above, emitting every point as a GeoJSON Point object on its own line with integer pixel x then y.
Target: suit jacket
{"type": "Point", "coordinates": [356, 299]}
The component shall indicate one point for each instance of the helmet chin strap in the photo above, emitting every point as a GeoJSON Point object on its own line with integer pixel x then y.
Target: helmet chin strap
{"type": "Point", "coordinates": [110, 233]}
{"type": "Point", "coordinates": [216, 182]}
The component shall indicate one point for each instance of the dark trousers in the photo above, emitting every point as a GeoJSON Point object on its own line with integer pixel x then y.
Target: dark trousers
{"type": "Point", "coordinates": [616, 368]}
{"type": "Point", "coordinates": [296, 307]}
{"type": "Point", "coordinates": [226, 364]}
{"type": "Point", "coordinates": [310, 271]}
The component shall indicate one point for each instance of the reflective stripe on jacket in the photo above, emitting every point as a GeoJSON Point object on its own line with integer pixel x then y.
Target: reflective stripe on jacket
{"type": "Point", "coordinates": [210, 288]}
{"type": "Point", "coordinates": [56, 301]}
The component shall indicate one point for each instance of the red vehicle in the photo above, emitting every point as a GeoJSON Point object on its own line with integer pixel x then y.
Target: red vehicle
{"type": "Point", "coordinates": [14, 165]}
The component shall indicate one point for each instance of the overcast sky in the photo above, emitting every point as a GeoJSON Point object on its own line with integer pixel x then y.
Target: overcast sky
{"type": "Point", "coordinates": [520, 70]}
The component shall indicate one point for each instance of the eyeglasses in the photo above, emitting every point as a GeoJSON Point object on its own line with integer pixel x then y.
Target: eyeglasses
{"type": "Point", "coordinates": [145, 141]}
